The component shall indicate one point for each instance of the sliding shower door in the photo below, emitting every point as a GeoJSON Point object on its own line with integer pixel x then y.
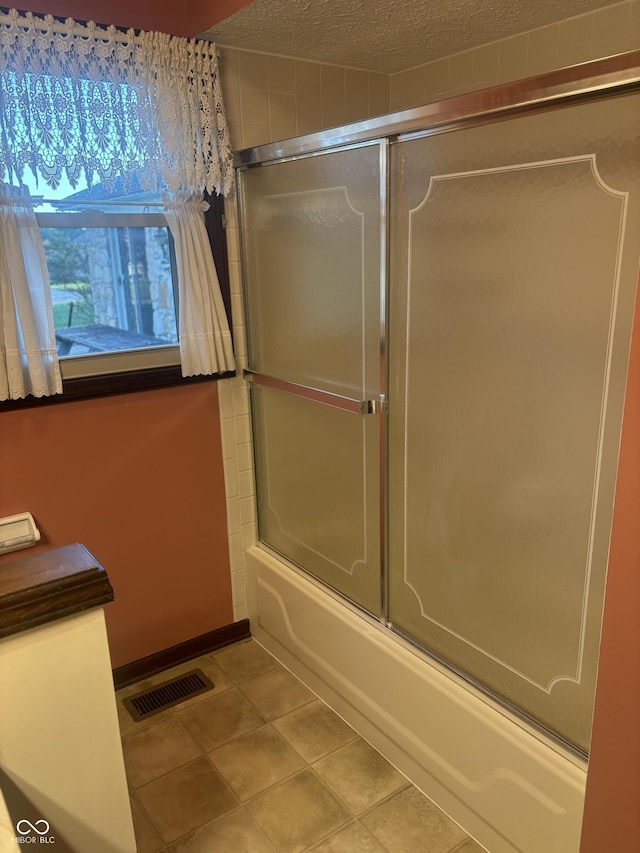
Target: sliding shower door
{"type": "Point", "coordinates": [514, 263]}
{"type": "Point", "coordinates": [312, 230]}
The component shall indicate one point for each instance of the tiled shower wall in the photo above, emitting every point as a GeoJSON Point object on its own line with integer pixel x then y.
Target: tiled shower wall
{"type": "Point", "coordinates": [271, 97]}
{"type": "Point", "coordinates": [614, 29]}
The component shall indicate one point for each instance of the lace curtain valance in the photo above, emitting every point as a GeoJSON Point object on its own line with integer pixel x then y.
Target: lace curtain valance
{"type": "Point", "coordinates": [85, 101]}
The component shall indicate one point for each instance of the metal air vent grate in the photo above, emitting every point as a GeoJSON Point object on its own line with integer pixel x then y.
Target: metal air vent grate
{"type": "Point", "coordinates": [150, 702]}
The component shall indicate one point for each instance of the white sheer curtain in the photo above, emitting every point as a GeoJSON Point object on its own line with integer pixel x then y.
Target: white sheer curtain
{"type": "Point", "coordinates": [28, 358]}
{"type": "Point", "coordinates": [205, 339]}
{"type": "Point", "coordinates": [93, 103]}
{"type": "Point", "coordinates": [87, 100]}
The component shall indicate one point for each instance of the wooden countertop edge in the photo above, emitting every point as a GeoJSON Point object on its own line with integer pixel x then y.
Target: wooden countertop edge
{"type": "Point", "coordinates": [42, 587]}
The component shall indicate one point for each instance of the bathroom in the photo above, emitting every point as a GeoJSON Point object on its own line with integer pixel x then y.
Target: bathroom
{"type": "Point", "coordinates": [263, 103]}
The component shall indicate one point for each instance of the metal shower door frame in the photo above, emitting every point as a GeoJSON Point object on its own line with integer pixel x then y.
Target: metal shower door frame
{"type": "Point", "coordinates": [376, 406]}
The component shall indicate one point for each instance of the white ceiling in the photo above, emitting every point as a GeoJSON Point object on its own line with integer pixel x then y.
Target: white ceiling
{"type": "Point", "coordinates": [385, 35]}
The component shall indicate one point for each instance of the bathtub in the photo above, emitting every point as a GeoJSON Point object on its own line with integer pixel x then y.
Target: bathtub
{"type": "Point", "coordinates": [507, 785]}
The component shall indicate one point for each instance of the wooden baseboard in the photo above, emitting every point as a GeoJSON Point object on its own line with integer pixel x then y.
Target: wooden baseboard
{"type": "Point", "coordinates": [145, 667]}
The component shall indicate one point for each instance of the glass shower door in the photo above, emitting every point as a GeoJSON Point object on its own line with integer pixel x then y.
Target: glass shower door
{"type": "Point", "coordinates": [312, 250]}
{"type": "Point", "coordinates": [514, 263]}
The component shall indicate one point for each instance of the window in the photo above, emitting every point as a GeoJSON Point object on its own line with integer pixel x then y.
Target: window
{"type": "Point", "coordinates": [134, 116]}
{"type": "Point", "coordinates": [113, 278]}
{"type": "Point", "coordinates": [112, 281]}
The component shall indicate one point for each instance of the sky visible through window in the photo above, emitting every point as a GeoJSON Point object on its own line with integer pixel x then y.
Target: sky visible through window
{"type": "Point", "coordinates": [63, 191]}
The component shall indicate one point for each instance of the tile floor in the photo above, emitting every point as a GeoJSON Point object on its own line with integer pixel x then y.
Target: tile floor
{"type": "Point", "coordinates": [261, 765]}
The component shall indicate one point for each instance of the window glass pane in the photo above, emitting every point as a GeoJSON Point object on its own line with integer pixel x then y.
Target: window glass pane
{"type": "Point", "coordinates": [111, 270]}
{"type": "Point", "coordinates": [112, 288]}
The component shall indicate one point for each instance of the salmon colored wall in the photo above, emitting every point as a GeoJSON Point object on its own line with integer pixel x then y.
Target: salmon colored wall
{"type": "Point", "coordinates": [180, 18]}
{"type": "Point", "coordinates": [138, 480]}
{"type": "Point", "coordinates": [612, 808]}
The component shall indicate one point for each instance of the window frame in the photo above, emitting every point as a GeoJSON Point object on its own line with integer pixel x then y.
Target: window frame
{"type": "Point", "coordinates": [116, 361]}
{"type": "Point", "coordinates": [145, 369]}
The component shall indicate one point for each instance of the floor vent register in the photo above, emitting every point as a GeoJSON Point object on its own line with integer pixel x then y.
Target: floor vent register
{"type": "Point", "coordinates": [150, 702]}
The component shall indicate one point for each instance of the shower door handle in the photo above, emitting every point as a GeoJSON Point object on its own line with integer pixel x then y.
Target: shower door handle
{"type": "Point", "coordinates": [373, 406]}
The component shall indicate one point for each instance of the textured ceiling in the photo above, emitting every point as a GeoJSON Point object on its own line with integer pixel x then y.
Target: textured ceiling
{"type": "Point", "coordinates": [385, 35]}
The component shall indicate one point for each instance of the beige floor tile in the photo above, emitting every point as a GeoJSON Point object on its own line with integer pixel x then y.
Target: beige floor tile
{"type": "Point", "coordinates": [131, 689]}
{"type": "Point", "coordinates": [352, 839]}
{"type": "Point", "coordinates": [469, 846]}
{"type": "Point", "coordinates": [298, 812]}
{"type": "Point", "coordinates": [243, 661]}
{"type": "Point", "coordinates": [314, 730]}
{"type": "Point", "coordinates": [186, 799]}
{"type": "Point", "coordinates": [277, 693]}
{"type": "Point", "coordinates": [234, 832]}
{"type": "Point", "coordinates": [408, 822]}
{"type": "Point", "coordinates": [256, 761]}
{"type": "Point", "coordinates": [359, 775]}
{"type": "Point", "coordinates": [147, 838]}
{"type": "Point", "coordinates": [157, 750]}
{"type": "Point", "coordinates": [258, 727]}
{"type": "Point", "coordinates": [221, 718]}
